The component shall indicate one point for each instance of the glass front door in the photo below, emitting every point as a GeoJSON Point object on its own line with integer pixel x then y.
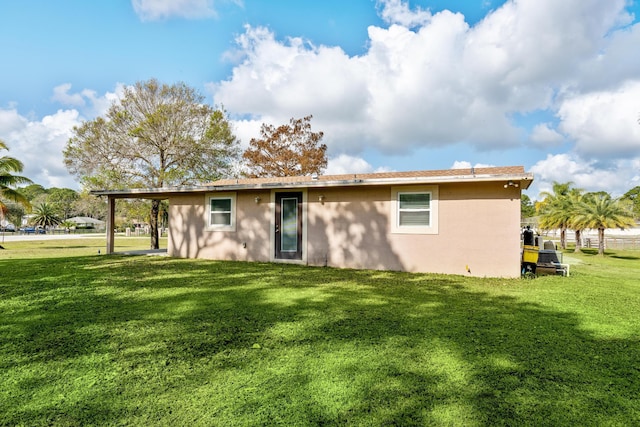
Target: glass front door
{"type": "Point", "coordinates": [288, 226]}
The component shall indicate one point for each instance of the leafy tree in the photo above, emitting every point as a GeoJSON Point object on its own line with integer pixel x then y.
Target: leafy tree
{"type": "Point", "coordinates": [13, 213]}
{"type": "Point", "coordinates": [62, 200]}
{"type": "Point", "coordinates": [527, 210]}
{"type": "Point", "coordinates": [288, 150]}
{"type": "Point", "coordinates": [156, 135]}
{"type": "Point", "coordinates": [556, 210]}
{"type": "Point", "coordinates": [599, 212]}
{"type": "Point", "coordinates": [633, 196]}
{"type": "Point", "coordinates": [9, 166]}
{"type": "Point", "coordinates": [31, 192]}
{"type": "Point", "coordinates": [45, 216]}
{"type": "Point", "coordinates": [89, 206]}
{"type": "Point", "coordinates": [135, 211]}
{"type": "Point", "coordinates": [39, 199]}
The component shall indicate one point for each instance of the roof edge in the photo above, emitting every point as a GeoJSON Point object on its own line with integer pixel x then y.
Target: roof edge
{"type": "Point", "coordinates": [524, 179]}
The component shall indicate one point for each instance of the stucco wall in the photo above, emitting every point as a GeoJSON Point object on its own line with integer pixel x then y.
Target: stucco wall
{"type": "Point", "coordinates": [189, 238]}
{"type": "Point", "coordinates": [478, 228]}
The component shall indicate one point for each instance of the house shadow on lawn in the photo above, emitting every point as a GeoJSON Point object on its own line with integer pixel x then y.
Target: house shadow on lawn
{"type": "Point", "coordinates": [154, 340]}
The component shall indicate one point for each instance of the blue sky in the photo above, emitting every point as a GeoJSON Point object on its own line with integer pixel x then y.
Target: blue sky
{"type": "Point", "coordinates": [394, 85]}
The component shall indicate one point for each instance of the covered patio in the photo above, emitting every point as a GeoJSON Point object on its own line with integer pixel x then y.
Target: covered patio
{"type": "Point", "coordinates": [114, 195]}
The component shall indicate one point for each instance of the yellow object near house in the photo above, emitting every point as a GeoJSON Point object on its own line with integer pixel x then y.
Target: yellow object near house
{"type": "Point", "coordinates": [530, 254]}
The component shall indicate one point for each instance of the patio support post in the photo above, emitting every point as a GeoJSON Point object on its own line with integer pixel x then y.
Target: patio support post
{"type": "Point", "coordinates": [111, 214]}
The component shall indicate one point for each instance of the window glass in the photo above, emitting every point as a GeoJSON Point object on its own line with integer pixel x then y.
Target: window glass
{"type": "Point", "coordinates": [220, 212]}
{"type": "Point", "coordinates": [289, 221]}
{"type": "Point", "coordinates": [414, 209]}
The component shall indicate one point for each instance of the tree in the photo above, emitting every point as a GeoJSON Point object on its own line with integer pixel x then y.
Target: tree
{"type": "Point", "coordinates": [527, 210]}
{"type": "Point", "coordinates": [556, 210]}
{"type": "Point", "coordinates": [90, 206]}
{"type": "Point", "coordinates": [155, 136]}
{"type": "Point", "coordinates": [32, 191]}
{"type": "Point", "coordinates": [62, 200]}
{"type": "Point", "coordinates": [288, 150]}
{"type": "Point", "coordinates": [134, 211]}
{"type": "Point", "coordinates": [14, 212]}
{"type": "Point", "coordinates": [9, 166]}
{"type": "Point", "coordinates": [576, 199]}
{"type": "Point", "coordinates": [633, 196]}
{"type": "Point", "coordinates": [45, 216]}
{"type": "Point", "coordinates": [67, 225]}
{"type": "Point", "coordinates": [598, 211]}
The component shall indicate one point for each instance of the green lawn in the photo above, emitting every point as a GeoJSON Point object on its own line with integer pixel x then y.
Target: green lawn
{"type": "Point", "coordinates": [121, 340]}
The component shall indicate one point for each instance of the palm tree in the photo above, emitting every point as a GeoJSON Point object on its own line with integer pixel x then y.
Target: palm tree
{"type": "Point", "coordinates": [9, 166]}
{"type": "Point", "coordinates": [556, 210]}
{"type": "Point", "coordinates": [599, 211]}
{"type": "Point", "coordinates": [45, 216]}
{"type": "Point", "coordinates": [576, 199]}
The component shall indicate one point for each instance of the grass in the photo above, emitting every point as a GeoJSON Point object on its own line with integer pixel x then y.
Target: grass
{"type": "Point", "coordinates": [121, 340]}
{"type": "Point", "coordinates": [73, 247]}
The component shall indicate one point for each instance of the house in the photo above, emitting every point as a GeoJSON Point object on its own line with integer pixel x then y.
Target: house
{"type": "Point", "coordinates": [85, 222]}
{"type": "Point", "coordinates": [457, 221]}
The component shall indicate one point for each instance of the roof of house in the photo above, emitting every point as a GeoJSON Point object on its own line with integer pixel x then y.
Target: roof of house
{"type": "Point", "coordinates": [516, 174]}
{"type": "Point", "coordinates": [85, 220]}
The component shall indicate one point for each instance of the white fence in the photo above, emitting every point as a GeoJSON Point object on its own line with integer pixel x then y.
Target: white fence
{"type": "Point", "coordinates": [620, 243]}
{"type": "Point", "coordinates": [613, 238]}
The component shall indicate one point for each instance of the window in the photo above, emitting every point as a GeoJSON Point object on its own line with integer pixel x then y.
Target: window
{"type": "Point", "coordinates": [414, 209]}
{"type": "Point", "coordinates": [221, 212]}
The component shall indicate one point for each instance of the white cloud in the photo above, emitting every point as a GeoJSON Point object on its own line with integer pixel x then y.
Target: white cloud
{"type": "Point", "coordinates": [544, 136]}
{"type": "Point", "coordinates": [245, 130]}
{"type": "Point", "coordinates": [61, 94]}
{"type": "Point", "coordinates": [616, 178]}
{"type": "Point", "coordinates": [605, 123]}
{"type": "Point", "coordinates": [439, 83]}
{"type": "Point", "coordinates": [398, 12]}
{"type": "Point", "coordinates": [401, 94]}
{"type": "Point", "coordinates": [613, 64]}
{"type": "Point", "coordinates": [531, 42]}
{"type": "Point", "coordinates": [39, 142]}
{"type": "Point", "coordinates": [154, 10]}
{"type": "Point", "coordinates": [87, 101]}
{"type": "Point", "coordinates": [11, 121]}
{"type": "Point", "coordinates": [346, 164]}
{"type": "Point", "coordinates": [39, 145]}
{"type": "Point", "coordinates": [463, 164]}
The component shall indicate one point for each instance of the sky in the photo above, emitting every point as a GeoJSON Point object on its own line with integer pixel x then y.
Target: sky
{"type": "Point", "coordinates": [395, 85]}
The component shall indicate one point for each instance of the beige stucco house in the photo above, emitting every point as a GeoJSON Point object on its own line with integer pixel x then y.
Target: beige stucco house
{"type": "Point", "coordinates": [444, 221]}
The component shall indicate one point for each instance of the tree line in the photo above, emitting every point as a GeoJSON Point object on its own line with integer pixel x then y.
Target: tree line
{"type": "Point", "coordinates": [53, 207]}
{"type": "Point", "coordinates": [566, 208]}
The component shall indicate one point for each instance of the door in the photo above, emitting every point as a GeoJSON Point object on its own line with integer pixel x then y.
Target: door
{"type": "Point", "coordinates": [288, 226]}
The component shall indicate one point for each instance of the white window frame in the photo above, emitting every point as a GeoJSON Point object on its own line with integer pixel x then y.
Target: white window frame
{"type": "Point", "coordinates": [221, 227]}
{"type": "Point", "coordinates": [432, 228]}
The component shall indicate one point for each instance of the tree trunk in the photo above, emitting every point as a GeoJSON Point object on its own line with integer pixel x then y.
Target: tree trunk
{"type": "Point", "coordinates": [563, 238]}
{"type": "Point", "coordinates": [578, 241]}
{"type": "Point", "coordinates": [600, 241]}
{"type": "Point", "coordinates": [153, 224]}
